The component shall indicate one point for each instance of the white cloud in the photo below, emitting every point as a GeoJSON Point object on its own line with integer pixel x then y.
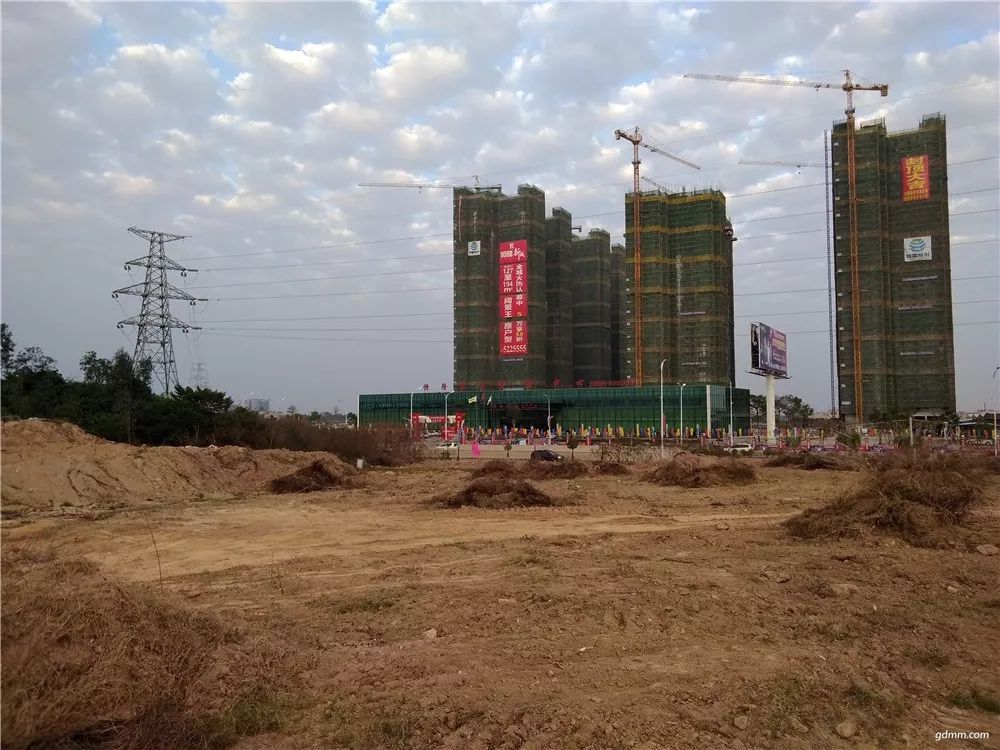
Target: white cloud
{"type": "Point", "coordinates": [420, 71]}
{"type": "Point", "coordinates": [127, 185]}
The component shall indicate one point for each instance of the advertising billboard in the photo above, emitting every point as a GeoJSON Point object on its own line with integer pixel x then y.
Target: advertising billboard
{"type": "Point", "coordinates": [513, 298]}
{"type": "Point", "coordinates": [915, 174]}
{"type": "Point", "coordinates": [768, 349]}
{"type": "Point", "coordinates": [916, 248]}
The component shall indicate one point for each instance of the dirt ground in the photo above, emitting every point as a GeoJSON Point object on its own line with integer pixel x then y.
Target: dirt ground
{"type": "Point", "coordinates": [638, 617]}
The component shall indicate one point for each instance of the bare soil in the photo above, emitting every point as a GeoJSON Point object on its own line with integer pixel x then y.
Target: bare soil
{"type": "Point", "coordinates": [53, 465]}
{"type": "Point", "coordinates": [640, 616]}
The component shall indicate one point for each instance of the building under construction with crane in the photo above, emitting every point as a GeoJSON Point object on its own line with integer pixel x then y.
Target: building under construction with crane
{"type": "Point", "coordinates": [534, 304]}
{"type": "Point", "coordinates": [894, 312]}
{"type": "Point", "coordinates": [541, 316]}
{"type": "Point", "coordinates": [681, 306]}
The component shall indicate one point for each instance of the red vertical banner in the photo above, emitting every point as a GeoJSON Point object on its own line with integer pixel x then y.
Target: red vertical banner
{"type": "Point", "coordinates": [513, 298]}
{"type": "Point", "coordinates": [915, 172]}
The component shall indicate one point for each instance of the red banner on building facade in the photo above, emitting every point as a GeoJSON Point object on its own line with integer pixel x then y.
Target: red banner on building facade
{"type": "Point", "coordinates": [513, 306]}
{"type": "Point", "coordinates": [513, 298]}
{"type": "Point", "coordinates": [512, 252]}
{"type": "Point", "coordinates": [513, 338]}
{"type": "Point", "coordinates": [915, 172]}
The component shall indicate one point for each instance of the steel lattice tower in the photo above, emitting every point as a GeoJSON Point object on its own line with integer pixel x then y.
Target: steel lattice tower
{"type": "Point", "coordinates": [199, 375]}
{"type": "Point", "coordinates": [154, 323]}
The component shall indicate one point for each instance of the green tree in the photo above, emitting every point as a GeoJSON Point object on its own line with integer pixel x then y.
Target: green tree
{"type": "Point", "coordinates": [109, 394]}
{"type": "Point", "coordinates": [32, 386]}
{"type": "Point", "coordinates": [6, 348]}
{"type": "Point", "coordinates": [792, 410]}
{"type": "Point", "coordinates": [851, 440]}
{"type": "Point", "coordinates": [758, 407]}
{"type": "Point", "coordinates": [572, 442]}
{"type": "Point", "coordinates": [352, 419]}
{"type": "Point", "coordinates": [315, 416]}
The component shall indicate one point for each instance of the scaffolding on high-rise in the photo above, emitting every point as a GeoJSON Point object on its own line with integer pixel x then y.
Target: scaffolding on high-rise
{"type": "Point", "coordinates": [904, 271]}
{"type": "Point", "coordinates": [686, 288]}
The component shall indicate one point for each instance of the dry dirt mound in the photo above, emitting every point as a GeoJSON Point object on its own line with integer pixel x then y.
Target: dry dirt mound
{"type": "Point", "coordinates": [92, 663]}
{"type": "Point", "coordinates": [687, 470]}
{"type": "Point", "coordinates": [49, 465]}
{"type": "Point", "coordinates": [533, 469]}
{"type": "Point", "coordinates": [319, 475]}
{"type": "Point", "coordinates": [812, 462]}
{"type": "Point", "coordinates": [918, 498]}
{"type": "Point", "coordinates": [497, 492]}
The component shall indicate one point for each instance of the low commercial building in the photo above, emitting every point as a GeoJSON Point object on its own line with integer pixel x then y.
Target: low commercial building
{"type": "Point", "coordinates": [700, 410]}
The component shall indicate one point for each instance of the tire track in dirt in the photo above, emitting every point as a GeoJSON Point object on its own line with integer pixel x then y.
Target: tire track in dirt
{"type": "Point", "coordinates": [220, 538]}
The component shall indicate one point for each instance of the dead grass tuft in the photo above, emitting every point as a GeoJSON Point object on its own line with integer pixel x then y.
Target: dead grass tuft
{"type": "Point", "coordinates": [90, 662]}
{"type": "Point", "coordinates": [975, 698]}
{"type": "Point", "coordinates": [497, 492]}
{"type": "Point", "coordinates": [811, 462]}
{"type": "Point", "coordinates": [690, 471]}
{"type": "Point", "coordinates": [538, 470]}
{"type": "Point", "coordinates": [915, 496]}
{"type": "Point", "coordinates": [317, 476]}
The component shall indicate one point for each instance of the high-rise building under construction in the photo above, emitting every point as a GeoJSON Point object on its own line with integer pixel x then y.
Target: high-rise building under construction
{"type": "Point", "coordinates": [903, 281]}
{"type": "Point", "coordinates": [685, 300]}
{"type": "Point", "coordinates": [534, 305]}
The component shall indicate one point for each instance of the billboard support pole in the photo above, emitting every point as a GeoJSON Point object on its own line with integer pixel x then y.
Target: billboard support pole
{"type": "Point", "coordinates": [771, 439]}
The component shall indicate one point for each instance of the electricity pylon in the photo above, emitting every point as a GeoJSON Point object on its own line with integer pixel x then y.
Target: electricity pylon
{"type": "Point", "coordinates": [154, 323]}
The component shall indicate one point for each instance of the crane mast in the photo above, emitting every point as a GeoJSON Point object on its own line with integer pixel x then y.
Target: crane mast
{"type": "Point", "coordinates": [636, 139]}
{"type": "Point", "coordinates": [849, 86]}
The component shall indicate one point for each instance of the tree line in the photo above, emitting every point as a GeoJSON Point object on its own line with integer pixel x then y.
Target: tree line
{"type": "Point", "coordinates": [114, 400]}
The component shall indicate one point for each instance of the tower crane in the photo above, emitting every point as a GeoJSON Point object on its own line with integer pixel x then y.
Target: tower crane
{"type": "Point", "coordinates": [428, 186]}
{"type": "Point", "coordinates": [849, 86]}
{"type": "Point", "coordinates": [636, 139]}
{"type": "Point", "coordinates": [796, 164]}
{"type": "Point", "coordinates": [655, 183]}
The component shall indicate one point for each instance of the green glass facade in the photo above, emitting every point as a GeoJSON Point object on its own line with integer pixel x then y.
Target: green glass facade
{"type": "Point", "coordinates": [634, 410]}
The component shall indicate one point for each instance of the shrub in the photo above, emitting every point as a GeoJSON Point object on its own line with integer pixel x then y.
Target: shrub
{"type": "Point", "coordinates": [914, 496]}
{"type": "Point", "coordinates": [498, 492]}
{"type": "Point", "coordinates": [688, 471]}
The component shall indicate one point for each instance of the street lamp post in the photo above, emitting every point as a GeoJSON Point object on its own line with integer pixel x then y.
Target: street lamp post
{"type": "Point", "coordinates": [662, 421]}
{"type": "Point", "coordinates": [995, 405]}
{"type": "Point", "coordinates": [681, 440]}
{"type": "Point", "coordinates": [730, 412]}
{"type": "Point", "coordinates": [548, 420]}
{"type": "Point", "coordinates": [444, 429]}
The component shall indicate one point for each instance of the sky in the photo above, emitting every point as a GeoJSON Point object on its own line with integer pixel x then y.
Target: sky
{"type": "Point", "coordinates": [248, 127]}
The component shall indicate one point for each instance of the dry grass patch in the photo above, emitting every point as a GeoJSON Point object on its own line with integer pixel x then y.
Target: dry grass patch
{"type": "Point", "coordinates": [497, 492]}
{"type": "Point", "coordinates": [811, 462]}
{"type": "Point", "coordinates": [611, 469]}
{"type": "Point", "coordinates": [317, 476]}
{"type": "Point", "coordinates": [917, 497]}
{"type": "Point", "coordinates": [691, 471]}
{"type": "Point", "coordinates": [538, 470]}
{"type": "Point", "coordinates": [88, 662]}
